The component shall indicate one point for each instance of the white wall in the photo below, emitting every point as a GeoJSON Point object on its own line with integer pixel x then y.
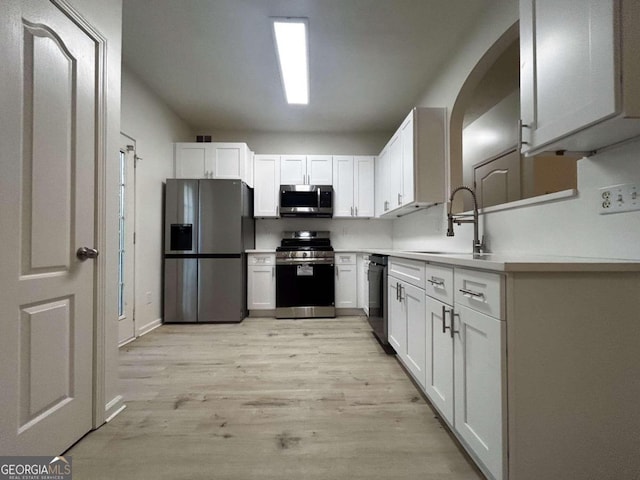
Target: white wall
{"type": "Point", "coordinates": [306, 143]}
{"type": "Point", "coordinates": [566, 227]}
{"type": "Point", "coordinates": [148, 120]}
{"type": "Point", "coordinates": [345, 233]}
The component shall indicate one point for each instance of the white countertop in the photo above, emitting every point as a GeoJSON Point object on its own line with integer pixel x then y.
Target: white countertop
{"type": "Point", "coordinates": [521, 262]}
{"type": "Point", "coordinates": [504, 262]}
{"type": "Point", "coordinates": [261, 250]}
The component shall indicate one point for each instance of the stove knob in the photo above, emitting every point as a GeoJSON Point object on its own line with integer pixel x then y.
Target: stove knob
{"type": "Point", "coordinates": [304, 254]}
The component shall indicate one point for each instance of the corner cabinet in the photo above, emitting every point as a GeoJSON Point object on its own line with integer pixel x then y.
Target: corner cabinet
{"type": "Point", "coordinates": [213, 160]}
{"type": "Point", "coordinates": [353, 186]}
{"type": "Point", "coordinates": [266, 186]}
{"type": "Point", "coordinates": [412, 170]}
{"type": "Point", "coordinates": [579, 74]}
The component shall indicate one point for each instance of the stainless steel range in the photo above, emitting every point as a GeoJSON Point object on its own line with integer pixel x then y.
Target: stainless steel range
{"type": "Point", "coordinates": [305, 279]}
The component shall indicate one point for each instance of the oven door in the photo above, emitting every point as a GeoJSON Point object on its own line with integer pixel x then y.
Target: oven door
{"type": "Point", "coordinates": [305, 290]}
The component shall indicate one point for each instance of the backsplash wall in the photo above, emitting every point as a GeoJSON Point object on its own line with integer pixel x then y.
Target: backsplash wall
{"type": "Point", "coordinates": [345, 233]}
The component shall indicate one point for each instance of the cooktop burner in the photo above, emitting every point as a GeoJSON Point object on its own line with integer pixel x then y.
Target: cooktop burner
{"type": "Point", "coordinates": [305, 241]}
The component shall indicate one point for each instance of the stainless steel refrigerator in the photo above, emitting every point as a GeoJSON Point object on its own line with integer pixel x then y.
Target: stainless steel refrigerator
{"type": "Point", "coordinates": [208, 226]}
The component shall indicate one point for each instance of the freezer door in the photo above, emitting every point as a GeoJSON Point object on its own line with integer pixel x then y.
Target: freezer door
{"type": "Point", "coordinates": [220, 217]}
{"type": "Point", "coordinates": [180, 290]}
{"type": "Point", "coordinates": [181, 217]}
{"type": "Point", "coordinates": [222, 290]}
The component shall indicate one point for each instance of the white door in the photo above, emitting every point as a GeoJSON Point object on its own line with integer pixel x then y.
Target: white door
{"type": "Point", "coordinates": [395, 172]}
{"type": "Point", "coordinates": [49, 143]}
{"type": "Point", "coordinates": [126, 248]}
{"type": "Point", "coordinates": [414, 305]}
{"type": "Point", "coordinates": [343, 186]}
{"type": "Point", "coordinates": [478, 385]}
{"type": "Point", "coordinates": [406, 136]}
{"type": "Point", "coordinates": [397, 318]}
{"type": "Point", "coordinates": [193, 160]}
{"type": "Point", "coordinates": [346, 287]}
{"type": "Point", "coordinates": [261, 288]}
{"type": "Point", "coordinates": [267, 185]}
{"type": "Point", "coordinates": [363, 194]}
{"type": "Point", "coordinates": [293, 170]}
{"type": "Point", "coordinates": [319, 169]}
{"type": "Point", "coordinates": [229, 160]}
{"type": "Point", "coordinates": [439, 367]}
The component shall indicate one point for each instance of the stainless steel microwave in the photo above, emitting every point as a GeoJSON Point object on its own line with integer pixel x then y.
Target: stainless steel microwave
{"type": "Point", "coordinates": [306, 201]}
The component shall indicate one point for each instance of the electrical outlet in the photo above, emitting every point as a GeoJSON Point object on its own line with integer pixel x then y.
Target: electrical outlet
{"type": "Point", "coordinates": [148, 298]}
{"type": "Point", "coordinates": [619, 198]}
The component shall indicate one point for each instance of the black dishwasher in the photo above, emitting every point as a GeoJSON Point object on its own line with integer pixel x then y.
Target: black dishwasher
{"type": "Point", "coordinates": [378, 315]}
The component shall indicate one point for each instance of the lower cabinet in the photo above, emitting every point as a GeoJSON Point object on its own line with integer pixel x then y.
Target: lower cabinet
{"type": "Point", "coordinates": [477, 373]}
{"type": "Point", "coordinates": [261, 282]}
{"type": "Point", "coordinates": [439, 357]}
{"type": "Point", "coordinates": [346, 284]}
{"type": "Point", "coordinates": [407, 326]}
{"type": "Point", "coordinates": [454, 350]}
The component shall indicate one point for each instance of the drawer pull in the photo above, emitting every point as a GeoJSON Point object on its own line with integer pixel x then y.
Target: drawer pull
{"type": "Point", "coordinates": [471, 293]}
{"type": "Point", "coordinates": [435, 283]}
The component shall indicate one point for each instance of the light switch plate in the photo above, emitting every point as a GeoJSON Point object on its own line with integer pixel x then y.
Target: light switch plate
{"type": "Point", "coordinates": [619, 198]}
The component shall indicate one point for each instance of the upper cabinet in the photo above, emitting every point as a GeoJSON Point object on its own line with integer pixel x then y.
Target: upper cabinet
{"type": "Point", "coordinates": [353, 185]}
{"type": "Point", "coordinates": [267, 186]}
{"type": "Point", "coordinates": [579, 71]}
{"type": "Point", "coordinates": [213, 160]}
{"type": "Point", "coordinates": [411, 173]}
{"type": "Point", "coordinates": [306, 170]}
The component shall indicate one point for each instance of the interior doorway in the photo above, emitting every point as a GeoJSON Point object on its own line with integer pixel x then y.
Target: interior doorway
{"type": "Point", "coordinates": [126, 240]}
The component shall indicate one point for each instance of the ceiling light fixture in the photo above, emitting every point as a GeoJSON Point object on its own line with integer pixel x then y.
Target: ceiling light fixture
{"type": "Point", "coordinates": [291, 44]}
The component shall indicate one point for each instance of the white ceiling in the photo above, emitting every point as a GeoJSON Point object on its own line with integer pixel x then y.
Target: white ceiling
{"type": "Point", "coordinates": [214, 63]}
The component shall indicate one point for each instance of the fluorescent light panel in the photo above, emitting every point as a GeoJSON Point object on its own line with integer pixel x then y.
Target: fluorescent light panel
{"type": "Point", "coordinates": [291, 45]}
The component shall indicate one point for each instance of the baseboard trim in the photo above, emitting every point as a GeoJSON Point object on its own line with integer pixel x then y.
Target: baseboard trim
{"type": "Point", "coordinates": [340, 312]}
{"type": "Point", "coordinates": [113, 408]}
{"type": "Point", "coordinates": [149, 327]}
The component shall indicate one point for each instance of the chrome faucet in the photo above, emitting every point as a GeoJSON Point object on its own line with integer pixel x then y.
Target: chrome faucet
{"type": "Point", "coordinates": [479, 246]}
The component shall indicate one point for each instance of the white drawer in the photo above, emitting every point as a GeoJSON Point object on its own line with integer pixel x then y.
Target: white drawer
{"type": "Point", "coordinates": [345, 258]}
{"type": "Point", "coordinates": [439, 282]}
{"type": "Point", "coordinates": [480, 291]}
{"type": "Point", "coordinates": [411, 271]}
{"type": "Point", "coordinates": [262, 259]}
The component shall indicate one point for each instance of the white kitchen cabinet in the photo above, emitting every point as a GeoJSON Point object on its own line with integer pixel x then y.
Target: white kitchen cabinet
{"type": "Point", "coordinates": [396, 318]}
{"type": "Point", "coordinates": [193, 160]}
{"type": "Point", "coordinates": [346, 284]}
{"type": "Point", "coordinates": [212, 160]}
{"type": "Point", "coordinates": [261, 282]}
{"type": "Point", "coordinates": [266, 186]}
{"type": "Point", "coordinates": [413, 304]}
{"type": "Point", "coordinates": [579, 74]}
{"type": "Point", "coordinates": [381, 199]}
{"type": "Point", "coordinates": [413, 164]}
{"type": "Point", "coordinates": [407, 315]}
{"type": "Point", "coordinates": [439, 357]}
{"type": "Point", "coordinates": [306, 169]}
{"type": "Point", "coordinates": [249, 168]}
{"type": "Point", "coordinates": [363, 282]}
{"type": "Point", "coordinates": [478, 389]}
{"type": "Point", "coordinates": [353, 185]}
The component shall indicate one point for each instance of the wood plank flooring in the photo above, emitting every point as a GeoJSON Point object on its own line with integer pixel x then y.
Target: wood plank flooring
{"type": "Point", "coordinates": [268, 399]}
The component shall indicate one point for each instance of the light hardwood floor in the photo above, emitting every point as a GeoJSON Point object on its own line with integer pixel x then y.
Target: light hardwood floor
{"type": "Point", "coordinates": [268, 399]}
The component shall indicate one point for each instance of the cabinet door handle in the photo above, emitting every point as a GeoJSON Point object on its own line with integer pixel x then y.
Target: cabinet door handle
{"type": "Point", "coordinates": [352, 211]}
{"type": "Point", "coordinates": [435, 283]}
{"type": "Point", "coordinates": [397, 291]}
{"type": "Point", "coordinates": [401, 292]}
{"type": "Point", "coordinates": [273, 272]}
{"type": "Point", "coordinates": [520, 141]}
{"type": "Point", "coordinates": [444, 314]}
{"type": "Point", "coordinates": [356, 211]}
{"type": "Point", "coordinates": [471, 293]}
{"type": "Point", "coordinates": [399, 199]}
{"type": "Point", "coordinates": [453, 316]}
{"type": "Point", "coordinates": [338, 272]}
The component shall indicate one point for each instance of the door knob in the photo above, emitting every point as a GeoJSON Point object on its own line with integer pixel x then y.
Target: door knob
{"type": "Point", "coordinates": [85, 252]}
